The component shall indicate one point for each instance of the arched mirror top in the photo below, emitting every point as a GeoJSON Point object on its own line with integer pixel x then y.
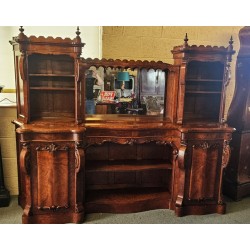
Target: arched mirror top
{"type": "Point", "coordinates": [126, 86]}
{"type": "Point", "coordinates": [125, 64]}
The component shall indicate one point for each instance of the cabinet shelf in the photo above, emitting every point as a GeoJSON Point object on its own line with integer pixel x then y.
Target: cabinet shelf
{"type": "Point", "coordinates": [51, 75]}
{"type": "Point", "coordinates": [203, 92]}
{"type": "Point", "coordinates": [128, 165]}
{"type": "Point", "coordinates": [127, 200]}
{"type": "Point", "coordinates": [113, 175]}
{"type": "Point", "coordinates": [52, 88]}
{"type": "Point", "coordinates": [203, 80]}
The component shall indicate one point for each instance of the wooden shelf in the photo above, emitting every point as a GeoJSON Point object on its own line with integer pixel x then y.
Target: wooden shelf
{"type": "Point", "coordinates": [203, 80]}
{"type": "Point", "coordinates": [50, 75]}
{"type": "Point", "coordinates": [196, 118]}
{"type": "Point", "coordinates": [52, 88]}
{"type": "Point", "coordinates": [203, 92]}
{"type": "Point", "coordinates": [113, 175]}
{"type": "Point", "coordinates": [127, 200]}
{"type": "Point", "coordinates": [128, 165]}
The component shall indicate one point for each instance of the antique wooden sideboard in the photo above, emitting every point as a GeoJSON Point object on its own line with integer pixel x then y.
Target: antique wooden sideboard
{"type": "Point", "coordinates": [71, 163]}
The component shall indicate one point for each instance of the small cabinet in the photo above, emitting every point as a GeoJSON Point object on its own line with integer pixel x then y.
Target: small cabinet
{"type": "Point", "coordinates": [48, 76]}
{"type": "Point", "coordinates": [203, 156]}
{"type": "Point", "coordinates": [204, 75]}
{"type": "Point", "coordinates": [51, 81]}
{"type": "Point", "coordinates": [203, 93]}
{"type": "Point", "coordinates": [51, 176]}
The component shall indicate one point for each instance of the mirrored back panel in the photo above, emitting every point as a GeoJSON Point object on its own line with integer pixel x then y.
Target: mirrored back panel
{"type": "Point", "coordinates": [125, 87]}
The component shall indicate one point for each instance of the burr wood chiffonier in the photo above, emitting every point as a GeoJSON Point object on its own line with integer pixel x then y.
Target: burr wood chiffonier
{"type": "Point", "coordinates": [71, 163]}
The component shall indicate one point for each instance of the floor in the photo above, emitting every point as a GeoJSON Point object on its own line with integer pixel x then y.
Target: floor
{"type": "Point", "coordinates": [237, 213]}
{"type": "Point", "coordinates": [156, 229]}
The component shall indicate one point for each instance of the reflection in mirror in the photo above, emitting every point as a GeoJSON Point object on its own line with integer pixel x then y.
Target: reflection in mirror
{"type": "Point", "coordinates": [153, 90]}
{"type": "Point", "coordinates": [125, 91]}
{"type": "Point", "coordinates": [93, 87]}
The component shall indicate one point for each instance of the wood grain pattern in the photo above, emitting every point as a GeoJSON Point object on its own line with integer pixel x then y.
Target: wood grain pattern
{"type": "Point", "coordinates": [71, 163]}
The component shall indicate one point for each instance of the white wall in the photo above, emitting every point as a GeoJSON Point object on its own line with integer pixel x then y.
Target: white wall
{"type": "Point", "coordinates": [90, 35]}
{"type": "Point", "coordinates": [7, 77]}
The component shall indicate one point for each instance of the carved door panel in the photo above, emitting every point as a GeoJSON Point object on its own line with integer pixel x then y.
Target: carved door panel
{"type": "Point", "coordinates": [203, 171]}
{"type": "Point", "coordinates": [52, 176]}
{"type": "Point", "coordinates": [51, 172]}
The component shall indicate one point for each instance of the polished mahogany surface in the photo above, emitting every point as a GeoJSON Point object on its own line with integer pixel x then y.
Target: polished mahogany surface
{"type": "Point", "coordinates": [70, 163]}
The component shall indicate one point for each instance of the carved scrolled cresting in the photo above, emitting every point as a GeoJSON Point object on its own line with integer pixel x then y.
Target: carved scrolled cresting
{"type": "Point", "coordinates": [130, 141]}
{"type": "Point", "coordinates": [125, 64]}
{"type": "Point", "coordinates": [52, 148]}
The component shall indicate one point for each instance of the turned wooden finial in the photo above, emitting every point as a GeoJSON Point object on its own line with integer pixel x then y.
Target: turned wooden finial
{"type": "Point", "coordinates": [78, 41]}
{"type": "Point", "coordinates": [186, 40]}
{"type": "Point", "coordinates": [231, 43]}
{"type": "Point", "coordinates": [21, 29]}
{"type": "Point", "coordinates": [21, 35]}
{"type": "Point", "coordinates": [77, 31]}
{"type": "Point", "coordinates": [230, 49]}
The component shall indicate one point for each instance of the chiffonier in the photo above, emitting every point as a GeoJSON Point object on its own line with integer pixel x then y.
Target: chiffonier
{"type": "Point", "coordinates": [71, 163]}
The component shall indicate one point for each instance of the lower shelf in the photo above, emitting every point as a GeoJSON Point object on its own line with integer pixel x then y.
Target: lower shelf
{"type": "Point", "coordinates": [127, 200]}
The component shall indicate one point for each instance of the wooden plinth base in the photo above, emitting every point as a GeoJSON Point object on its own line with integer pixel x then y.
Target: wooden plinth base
{"type": "Point", "coordinates": [53, 218]}
{"type": "Point", "coordinates": [200, 209]}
